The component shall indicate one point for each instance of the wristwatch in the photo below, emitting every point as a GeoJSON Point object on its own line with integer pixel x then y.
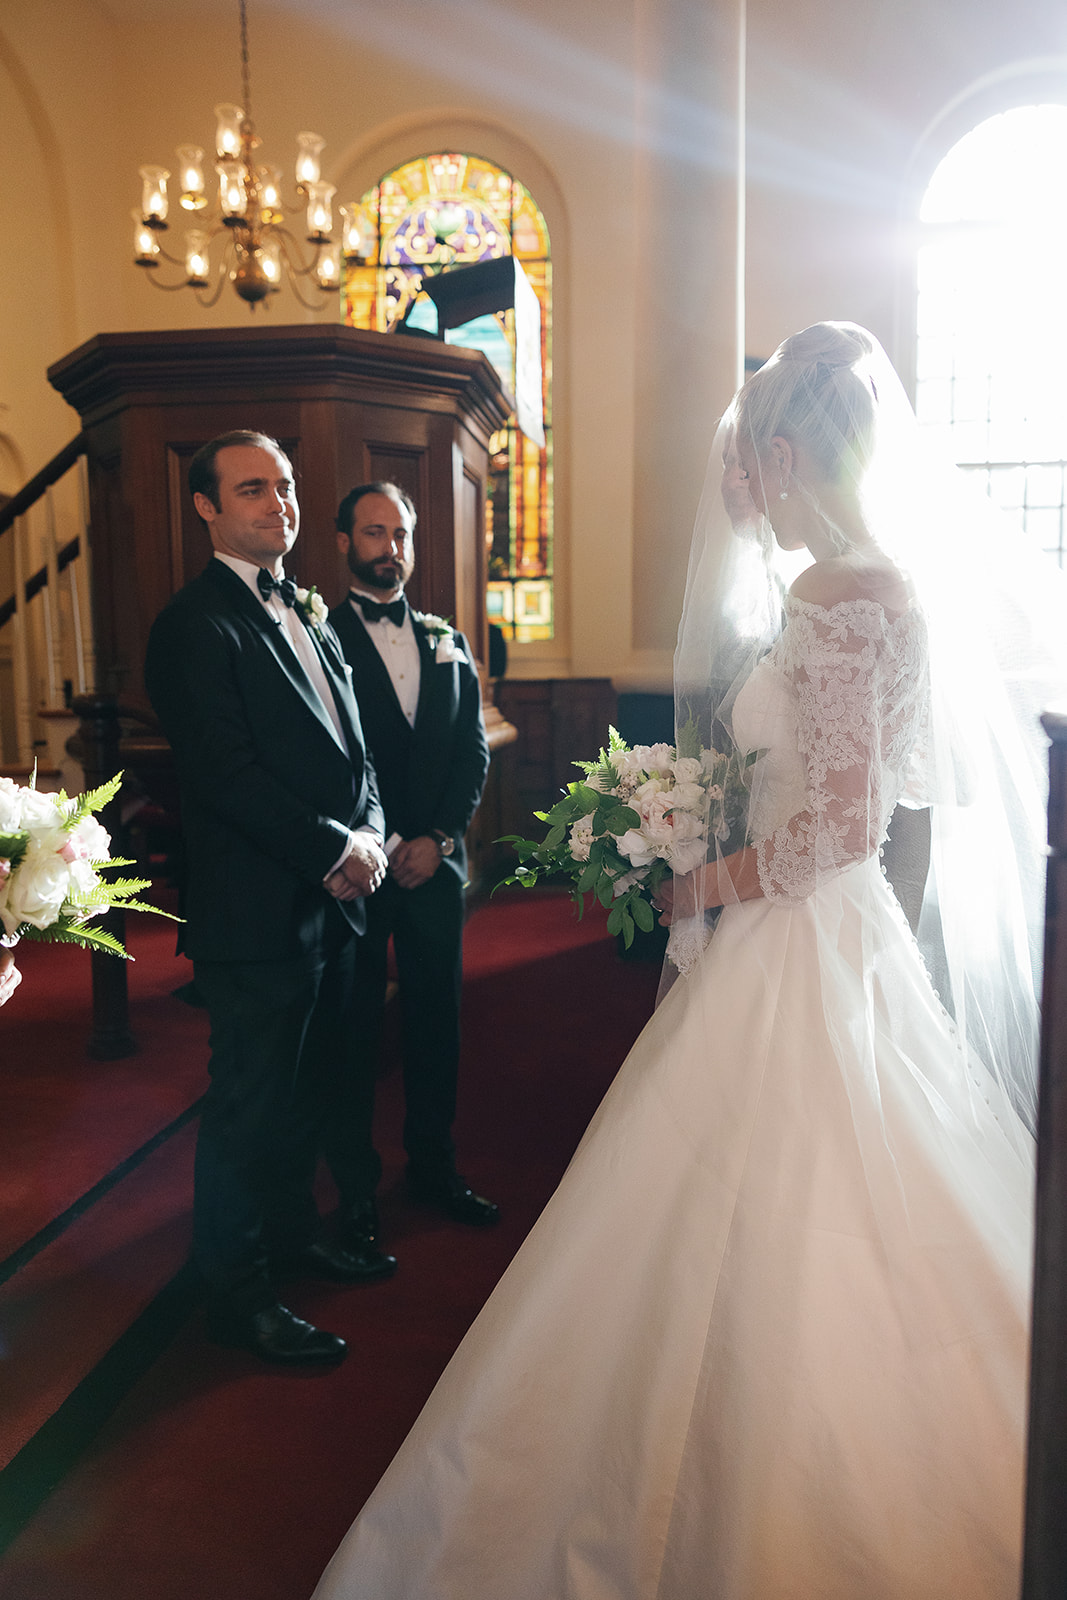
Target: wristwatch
{"type": "Point", "coordinates": [444, 841]}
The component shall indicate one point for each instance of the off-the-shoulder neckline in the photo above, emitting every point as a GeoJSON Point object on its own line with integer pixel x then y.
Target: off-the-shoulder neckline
{"type": "Point", "coordinates": [865, 601]}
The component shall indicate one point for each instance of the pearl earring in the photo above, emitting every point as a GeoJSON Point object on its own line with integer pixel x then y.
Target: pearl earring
{"type": "Point", "coordinates": [784, 494]}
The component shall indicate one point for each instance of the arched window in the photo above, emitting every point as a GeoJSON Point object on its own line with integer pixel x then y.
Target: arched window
{"type": "Point", "coordinates": [447, 210]}
{"type": "Point", "coordinates": [992, 313]}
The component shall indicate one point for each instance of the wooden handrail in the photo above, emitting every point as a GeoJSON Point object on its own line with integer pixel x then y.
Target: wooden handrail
{"type": "Point", "coordinates": [39, 580]}
{"type": "Point", "coordinates": [31, 492]}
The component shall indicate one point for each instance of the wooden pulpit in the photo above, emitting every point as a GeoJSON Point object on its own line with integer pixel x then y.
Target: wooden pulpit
{"type": "Point", "coordinates": [347, 405]}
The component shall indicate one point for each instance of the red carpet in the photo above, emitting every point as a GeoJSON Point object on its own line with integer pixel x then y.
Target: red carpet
{"type": "Point", "coordinates": [221, 1479]}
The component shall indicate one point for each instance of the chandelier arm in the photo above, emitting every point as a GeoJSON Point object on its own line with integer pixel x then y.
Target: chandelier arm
{"type": "Point", "coordinates": [309, 305]}
{"type": "Point", "coordinates": [174, 261]}
{"type": "Point", "coordinates": [168, 288]}
{"type": "Point", "coordinates": [221, 279]}
{"type": "Point", "coordinates": [290, 242]}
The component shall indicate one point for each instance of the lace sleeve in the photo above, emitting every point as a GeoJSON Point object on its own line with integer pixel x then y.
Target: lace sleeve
{"type": "Point", "coordinates": [833, 658]}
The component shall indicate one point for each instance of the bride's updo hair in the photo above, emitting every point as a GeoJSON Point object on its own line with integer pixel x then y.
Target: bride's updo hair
{"type": "Point", "coordinates": [814, 392]}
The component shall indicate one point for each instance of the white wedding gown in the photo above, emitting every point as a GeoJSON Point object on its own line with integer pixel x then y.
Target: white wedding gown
{"type": "Point", "coordinates": [768, 1340]}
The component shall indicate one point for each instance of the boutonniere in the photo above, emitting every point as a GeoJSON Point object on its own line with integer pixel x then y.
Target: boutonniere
{"type": "Point", "coordinates": [442, 638]}
{"type": "Point", "coordinates": [315, 610]}
{"type": "Point", "coordinates": [436, 627]}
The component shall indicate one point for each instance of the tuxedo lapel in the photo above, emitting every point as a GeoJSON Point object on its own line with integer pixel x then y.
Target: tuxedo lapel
{"type": "Point", "coordinates": [279, 649]}
{"type": "Point", "coordinates": [428, 669]}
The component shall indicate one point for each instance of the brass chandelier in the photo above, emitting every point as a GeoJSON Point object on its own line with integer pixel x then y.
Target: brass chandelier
{"type": "Point", "coordinates": [259, 252]}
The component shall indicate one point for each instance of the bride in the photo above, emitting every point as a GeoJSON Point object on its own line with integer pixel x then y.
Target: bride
{"type": "Point", "coordinates": [768, 1340]}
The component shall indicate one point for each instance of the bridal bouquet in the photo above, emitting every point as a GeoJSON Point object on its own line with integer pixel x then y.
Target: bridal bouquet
{"type": "Point", "coordinates": [52, 852]}
{"type": "Point", "coordinates": [638, 815]}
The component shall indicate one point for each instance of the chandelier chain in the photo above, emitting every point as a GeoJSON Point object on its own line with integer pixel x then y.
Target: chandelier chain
{"type": "Point", "coordinates": [246, 74]}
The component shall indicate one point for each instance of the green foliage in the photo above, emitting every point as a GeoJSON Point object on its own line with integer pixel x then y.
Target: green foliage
{"type": "Point", "coordinates": [78, 933]}
{"type": "Point", "coordinates": [13, 847]}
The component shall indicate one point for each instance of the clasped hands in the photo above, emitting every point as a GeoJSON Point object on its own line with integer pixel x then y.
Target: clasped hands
{"type": "Point", "coordinates": [413, 862]}
{"type": "Point", "coordinates": [362, 870]}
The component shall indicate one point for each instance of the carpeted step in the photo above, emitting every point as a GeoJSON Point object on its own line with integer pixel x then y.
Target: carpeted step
{"type": "Point", "coordinates": [65, 1309]}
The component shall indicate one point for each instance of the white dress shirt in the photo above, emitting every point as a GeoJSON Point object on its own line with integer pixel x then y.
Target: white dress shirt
{"type": "Point", "coordinates": [398, 648]}
{"type": "Point", "coordinates": [296, 635]}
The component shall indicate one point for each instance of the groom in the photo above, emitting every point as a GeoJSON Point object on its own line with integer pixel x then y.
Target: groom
{"type": "Point", "coordinates": [283, 833]}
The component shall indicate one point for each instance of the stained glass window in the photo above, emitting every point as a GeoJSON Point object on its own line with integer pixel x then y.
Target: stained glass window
{"type": "Point", "coordinates": [992, 318]}
{"type": "Point", "coordinates": [448, 210]}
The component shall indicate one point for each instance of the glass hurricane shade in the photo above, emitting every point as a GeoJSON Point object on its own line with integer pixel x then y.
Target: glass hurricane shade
{"type": "Point", "coordinates": [233, 201]}
{"type": "Point", "coordinates": [229, 120]}
{"type": "Point", "coordinates": [154, 195]}
{"type": "Point", "coordinates": [270, 193]}
{"type": "Point", "coordinates": [320, 218]}
{"type": "Point", "coordinates": [193, 189]}
{"type": "Point", "coordinates": [328, 271]}
{"type": "Point", "coordinates": [197, 264]}
{"type": "Point", "coordinates": [308, 146]}
{"type": "Point", "coordinates": [145, 243]}
{"type": "Point", "coordinates": [351, 233]}
{"type": "Point", "coordinates": [270, 260]}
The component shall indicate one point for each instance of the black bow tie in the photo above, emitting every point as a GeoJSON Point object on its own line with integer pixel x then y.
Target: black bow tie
{"type": "Point", "coordinates": [267, 585]}
{"type": "Point", "coordinates": [395, 610]}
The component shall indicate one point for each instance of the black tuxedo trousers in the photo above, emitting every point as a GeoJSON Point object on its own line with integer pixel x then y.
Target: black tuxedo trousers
{"type": "Point", "coordinates": [426, 925]}
{"type": "Point", "coordinates": [268, 794]}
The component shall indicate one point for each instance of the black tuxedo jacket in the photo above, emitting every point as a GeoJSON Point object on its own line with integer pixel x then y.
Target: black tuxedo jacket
{"type": "Point", "coordinates": [430, 775]}
{"type": "Point", "coordinates": [268, 795]}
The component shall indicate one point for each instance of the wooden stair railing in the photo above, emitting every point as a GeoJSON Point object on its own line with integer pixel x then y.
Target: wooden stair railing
{"type": "Point", "coordinates": [24, 501]}
{"type": "Point", "coordinates": [32, 491]}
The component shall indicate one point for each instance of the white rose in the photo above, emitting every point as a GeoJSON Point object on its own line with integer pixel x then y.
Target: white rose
{"type": "Point", "coordinates": [657, 824]}
{"type": "Point", "coordinates": [40, 811]}
{"type": "Point", "coordinates": [635, 847]}
{"type": "Point", "coordinates": [10, 806]}
{"type": "Point", "coordinates": [688, 797]}
{"type": "Point", "coordinates": [660, 758]}
{"type": "Point", "coordinates": [687, 769]}
{"type": "Point", "coordinates": [581, 838]}
{"type": "Point", "coordinates": [646, 791]}
{"type": "Point", "coordinates": [686, 855]}
{"type": "Point", "coordinates": [37, 888]}
{"type": "Point", "coordinates": [685, 825]}
{"type": "Point", "coordinates": [88, 840]}
{"type": "Point", "coordinates": [628, 763]}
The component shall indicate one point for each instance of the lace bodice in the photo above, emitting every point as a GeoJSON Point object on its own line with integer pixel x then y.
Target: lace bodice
{"type": "Point", "coordinates": [839, 705]}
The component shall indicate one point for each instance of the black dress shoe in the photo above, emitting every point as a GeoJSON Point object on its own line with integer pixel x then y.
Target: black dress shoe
{"type": "Point", "coordinates": [358, 1229]}
{"type": "Point", "coordinates": [275, 1334]}
{"type": "Point", "coordinates": [452, 1194]}
{"type": "Point", "coordinates": [363, 1263]}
